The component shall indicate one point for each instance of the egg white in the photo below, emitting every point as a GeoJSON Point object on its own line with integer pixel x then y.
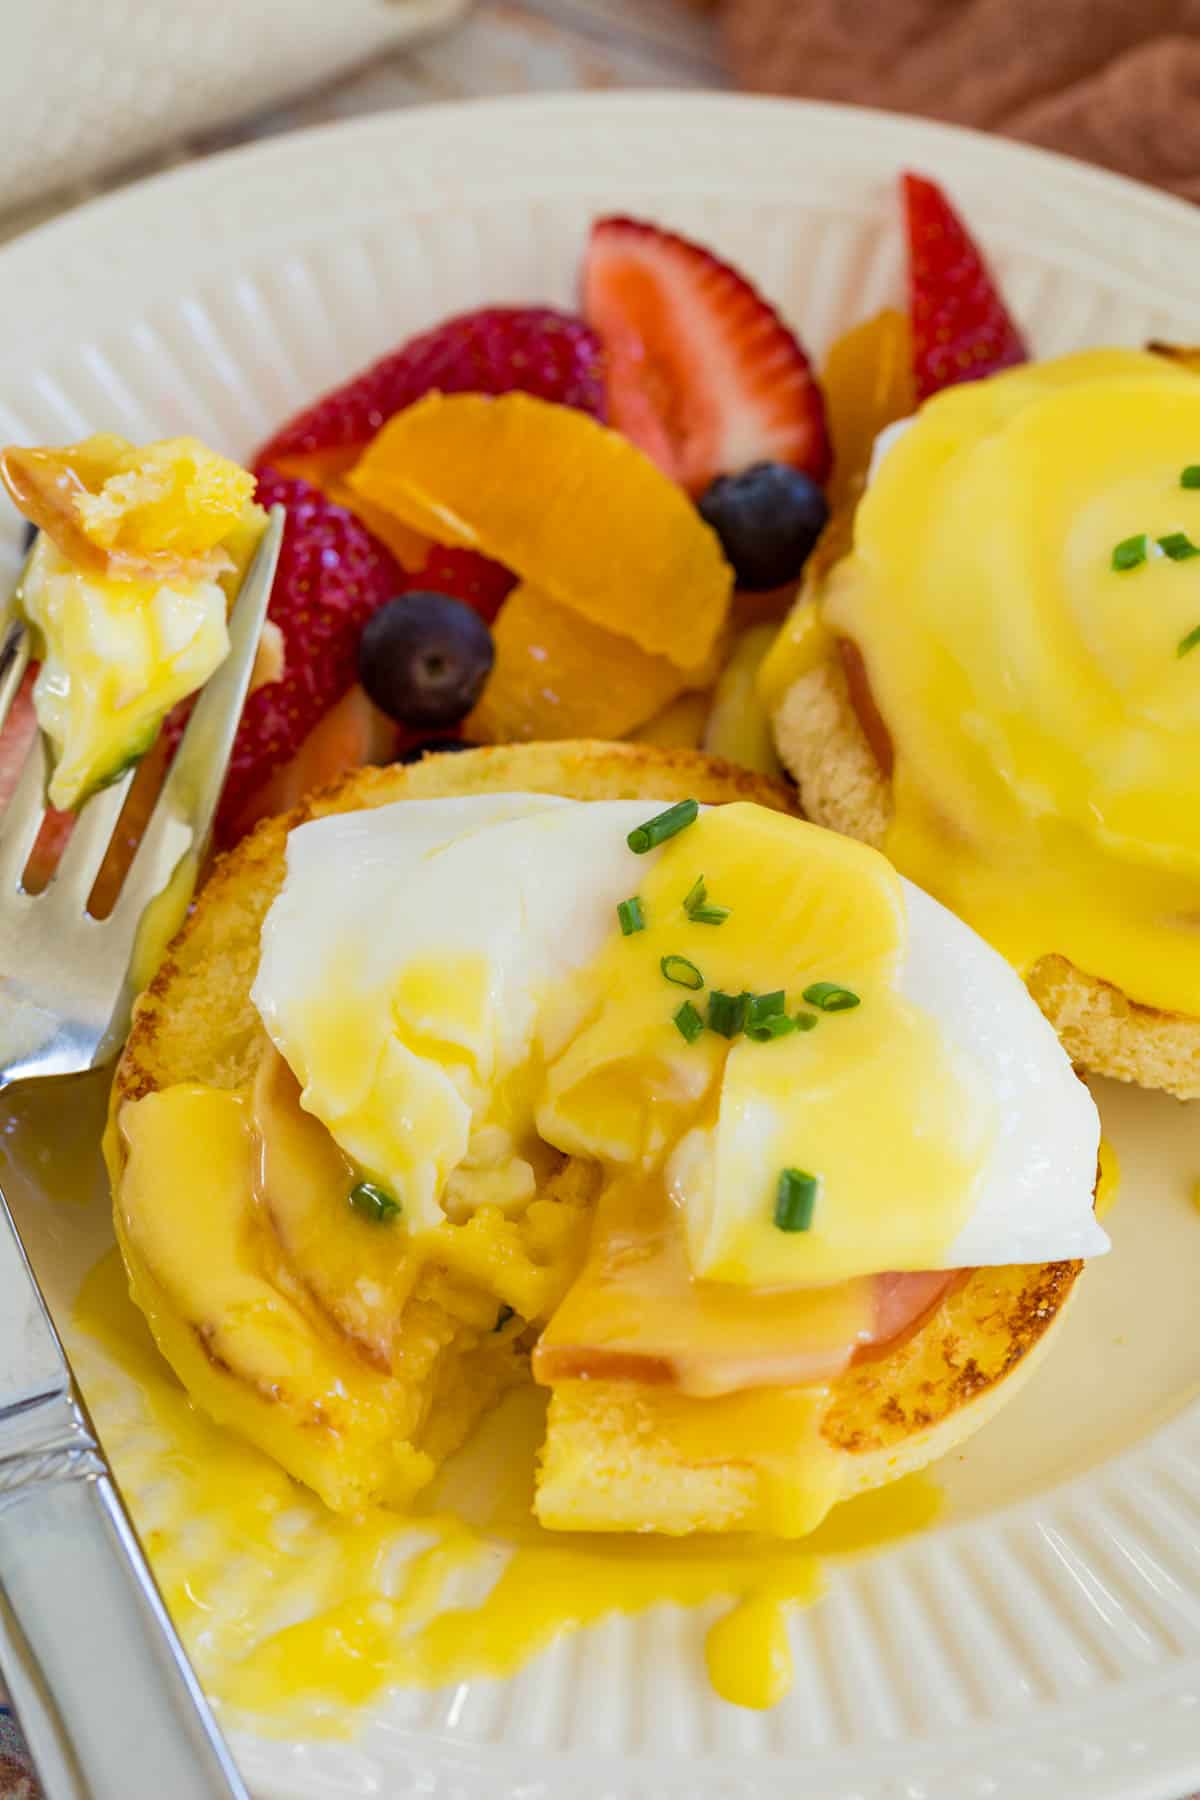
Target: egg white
{"type": "Point", "coordinates": [527, 885]}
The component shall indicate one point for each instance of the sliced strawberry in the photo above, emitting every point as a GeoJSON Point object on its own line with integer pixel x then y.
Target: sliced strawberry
{"type": "Point", "coordinates": [351, 733]}
{"type": "Point", "coordinates": [493, 351]}
{"type": "Point", "coordinates": [332, 576]}
{"type": "Point", "coordinates": [961, 328]}
{"type": "Point", "coordinates": [703, 374]}
{"type": "Point", "coordinates": [476, 580]}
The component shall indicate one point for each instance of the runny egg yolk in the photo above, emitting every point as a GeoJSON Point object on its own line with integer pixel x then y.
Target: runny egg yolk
{"type": "Point", "coordinates": [1043, 701]}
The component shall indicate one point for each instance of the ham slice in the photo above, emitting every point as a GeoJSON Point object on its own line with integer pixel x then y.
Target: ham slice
{"type": "Point", "coordinates": [636, 1313]}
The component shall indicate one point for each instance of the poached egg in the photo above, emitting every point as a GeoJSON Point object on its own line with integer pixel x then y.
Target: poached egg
{"type": "Point", "coordinates": [453, 989]}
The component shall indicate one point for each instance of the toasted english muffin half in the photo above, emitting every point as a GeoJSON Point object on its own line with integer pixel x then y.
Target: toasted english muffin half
{"type": "Point", "coordinates": [822, 744]}
{"type": "Point", "coordinates": [617, 1455]}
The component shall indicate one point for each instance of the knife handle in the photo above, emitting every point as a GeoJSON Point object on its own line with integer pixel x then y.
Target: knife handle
{"type": "Point", "coordinates": [107, 1701]}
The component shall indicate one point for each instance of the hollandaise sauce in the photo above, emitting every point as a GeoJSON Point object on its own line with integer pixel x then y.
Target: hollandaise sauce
{"type": "Point", "coordinates": [1024, 589]}
{"type": "Point", "coordinates": [290, 1612]}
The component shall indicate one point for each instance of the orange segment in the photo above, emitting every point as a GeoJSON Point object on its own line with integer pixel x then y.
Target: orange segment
{"type": "Point", "coordinates": [867, 382]}
{"type": "Point", "coordinates": [557, 675]}
{"type": "Point", "coordinates": [327, 470]}
{"type": "Point", "coordinates": [570, 506]}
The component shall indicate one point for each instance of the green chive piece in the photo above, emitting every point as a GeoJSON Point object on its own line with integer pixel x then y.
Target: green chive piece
{"type": "Point", "coordinates": [502, 1317]}
{"type": "Point", "coordinates": [1178, 546]}
{"type": "Point", "coordinates": [689, 1022]}
{"type": "Point", "coordinates": [631, 916]}
{"type": "Point", "coordinates": [764, 1006]}
{"type": "Point", "coordinates": [777, 1026]}
{"type": "Point", "coordinates": [806, 1021]}
{"type": "Point", "coordinates": [1131, 551]}
{"type": "Point", "coordinates": [699, 909]}
{"type": "Point", "coordinates": [682, 972]}
{"type": "Point", "coordinates": [727, 1012]}
{"type": "Point", "coordinates": [664, 825]}
{"type": "Point", "coordinates": [795, 1200]}
{"type": "Point", "coordinates": [1189, 642]}
{"type": "Point", "coordinates": [373, 1203]}
{"type": "Point", "coordinates": [1190, 477]}
{"type": "Point", "coordinates": [830, 997]}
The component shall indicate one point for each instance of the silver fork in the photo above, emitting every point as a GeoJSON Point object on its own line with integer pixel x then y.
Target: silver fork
{"type": "Point", "coordinates": [101, 1685]}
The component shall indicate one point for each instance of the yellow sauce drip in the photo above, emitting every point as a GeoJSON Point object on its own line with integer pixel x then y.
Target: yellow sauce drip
{"type": "Point", "coordinates": [1108, 1182]}
{"type": "Point", "coordinates": [293, 1614]}
{"type": "Point", "coordinates": [1045, 721]}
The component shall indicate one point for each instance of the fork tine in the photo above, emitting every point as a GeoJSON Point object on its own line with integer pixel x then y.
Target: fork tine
{"type": "Point", "coordinates": [80, 862]}
{"type": "Point", "coordinates": [183, 815]}
{"type": "Point", "coordinates": [14, 660]}
{"type": "Point", "coordinates": [22, 817]}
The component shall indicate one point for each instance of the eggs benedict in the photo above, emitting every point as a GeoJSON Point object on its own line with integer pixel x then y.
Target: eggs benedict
{"type": "Point", "coordinates": [593, 1062]}
{"type": "Point", "coordinates": [997, 685]}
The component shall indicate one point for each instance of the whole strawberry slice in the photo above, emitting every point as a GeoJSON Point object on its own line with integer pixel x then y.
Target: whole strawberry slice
{"type": "Point", "coordinates": [332, 576]}
{"type": "Point", "coordinates": [494, 351]}
{"type": "Point", "coordinates": [961, 328]}
{"type": "Point", "coordinates": [703, 374]}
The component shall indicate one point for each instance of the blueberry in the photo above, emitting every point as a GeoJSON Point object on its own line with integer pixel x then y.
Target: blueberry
{"type": "Point", "coordinates": [423, 659]}
{"type": "Point", "coordinates": [768, 518]}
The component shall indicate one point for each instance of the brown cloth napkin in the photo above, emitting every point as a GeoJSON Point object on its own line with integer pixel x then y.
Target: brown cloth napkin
{"type": "Point", "coordinates": [1114, 81]}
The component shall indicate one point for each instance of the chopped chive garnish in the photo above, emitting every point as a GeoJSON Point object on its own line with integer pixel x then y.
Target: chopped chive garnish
{"type": "Point", "coordinates": [682, 972]}
{"type": "Point", "coordinates": [764, 1006]}
{"type": "Point", "coordinates": [795, 1200]}
{"type": "Point", "coordinates": [502, 1317]}
{"type": "Point", "coordinates": [631, 916]}
{"type": "Point", "coordinates": [1131, 551]}
{"type": "Point", "coordinates": [1178, 546]}
{"type": "Point", "coordinates": [805, 1021]}
{"type": "Point", "coordinates": [373, 1203]}
{"type": "Point", "coordinates": [727, 1012]}
{"type": "Point", "coordinates": [689, 1022]}
{"type": "Point", "coordinates": [830, 997]}
{"type": "Point", "coordinates": [699, 908]}
{"type": "Point", "coordinates": [777, 1026]}
{"type": "Point", "coordinates": [1189, 642]}
{"type": "Point", "coordinates": [1190, 477]}
{"type": "Point", "coordinates": [664, 825]}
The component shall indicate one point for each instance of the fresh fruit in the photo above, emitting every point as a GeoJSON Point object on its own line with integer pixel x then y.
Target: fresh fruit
{"type": "Point", "coordinates": [768, 517]}
{"type": "Point", "coordinates": [868, 384]}
{"type": "Point", "coordinates": [557, 675]}
{"type": "Point", "coordinates": [476, 580]}
{"type": "Point", "coordinates": [423, 659]}
{"type": "Point", "coordinates": [577, 512]}
{"type": "Point", "coordinates": [739, 726]}
{"type": "Point", "coordinates": [680, 724]}
{"type": "Point", "coordinates": [493, 351]}
{"type": "Point", "coordinates": [351, 733]}
{"type": "Point", "coordinates": [332, 576]}
{"type": "Point", "coordinates": [961, 328]}
{"type": "Point", "coordinates": [703, 374]}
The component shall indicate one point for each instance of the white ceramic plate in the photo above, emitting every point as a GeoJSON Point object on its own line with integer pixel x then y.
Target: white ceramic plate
{"type": "Point", "coordinates": [1044, 1642]}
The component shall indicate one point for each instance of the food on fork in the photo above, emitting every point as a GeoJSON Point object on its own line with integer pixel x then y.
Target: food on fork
{"type": "Point", "coordinates": [991, 672]}
{"type": "Point", "coordinates": [139, 552]}
{"type": "Point", "coordinates": [596, 1054]}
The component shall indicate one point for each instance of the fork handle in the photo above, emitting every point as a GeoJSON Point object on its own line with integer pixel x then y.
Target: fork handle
{"type": "Point", "coordinates": [105, 1696]}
